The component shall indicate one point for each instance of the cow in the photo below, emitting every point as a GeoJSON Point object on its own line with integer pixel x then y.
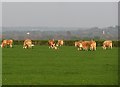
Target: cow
{"type": "Point", "coordinates": [89, 45]}
{"type": "Point", "coordinates": [86, 45]}
{"type": "Point", "coordinates": [92, 45]}
{"type": "Point", "coordinates": [78, 44]}
{"type": "Point", "coordinates": [6, 43]}
{"type": "Point", "coordinates": [28, 44]}
{"type": "Point", "coordinates": [51, 44]}
{"type": "Point", "coordinates": [60, 43]}
{"type": "Point", "coordinates": [107, 44]}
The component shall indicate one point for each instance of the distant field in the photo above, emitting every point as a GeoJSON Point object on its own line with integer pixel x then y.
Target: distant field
{"type": "Point", "coordinates": [66, 66]}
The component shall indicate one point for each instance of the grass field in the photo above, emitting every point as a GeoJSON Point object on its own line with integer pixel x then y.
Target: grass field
{"type": "Point", "coordinates": [66, 66]}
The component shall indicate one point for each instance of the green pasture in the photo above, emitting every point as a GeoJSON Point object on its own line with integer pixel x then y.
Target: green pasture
{"type": "Point", "coordinates": [66, 66]}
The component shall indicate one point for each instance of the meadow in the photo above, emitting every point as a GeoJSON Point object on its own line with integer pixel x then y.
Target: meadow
{"type": "Point", "coordinates": [66, 66]}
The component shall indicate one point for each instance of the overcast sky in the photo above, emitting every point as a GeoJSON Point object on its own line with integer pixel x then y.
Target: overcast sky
{"type": "Point", "coordinates": [60, 14]}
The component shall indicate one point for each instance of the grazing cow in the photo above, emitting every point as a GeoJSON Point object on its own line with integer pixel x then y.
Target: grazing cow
{"type": "Point", "coordinates": [51, 44]}
{"type": "Point", "coordinates": [107, 44]}
{"type": "Point", "coordinates": [60, 43]}
{"type": "Point", "coordinates": [89, 45]}
{"type": "Point", "coordinates": [28, 44]}
{"type": "Point", "coordinates": [85, 45]}
{"type": "Point", "coordinates": [92, 45]}
{"type": "Point", "coordinates": [6, 43]}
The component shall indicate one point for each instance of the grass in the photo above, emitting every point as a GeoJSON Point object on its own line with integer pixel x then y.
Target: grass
{"type": "Point", "coordinates": [66, 66]}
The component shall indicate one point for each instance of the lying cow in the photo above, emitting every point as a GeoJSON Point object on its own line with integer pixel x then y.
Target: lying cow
{"type": "Point", "coordinates": [51, 44]}
{"type": "Point", "coordinates": [28, 44]}
{"type": "Point", "coordinates": [107, 44]}
{"type": "Point", "coordinates": [7, 43]}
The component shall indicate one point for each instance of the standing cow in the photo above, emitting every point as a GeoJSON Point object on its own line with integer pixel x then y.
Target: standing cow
{"type": "Point", "coordinates": [89, 45]}
{"type": "Point", "coordinates": [27, 44]}
{"type": "Point", "coordinates": [6, 43]}
{"type": "Point", "coordinates": [51, 44]}
{"type": "Point", "coordinates": [78, 44]}
{"type": "Point", "coordinates": [60, 43]}
{"type": "Point", "coordinates": [107, 44]}
{"type": "Point", "coordinates": [92, 45]}
{"type": "Point", "coordinates": [86, 45]}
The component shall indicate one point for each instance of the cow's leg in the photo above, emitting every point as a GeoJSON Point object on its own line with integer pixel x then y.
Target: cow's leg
{"type": "Point", "coordinates": [91, 48]}
{"type": "Point", "coordinates": [94, 48]}
{"type": "Point", "coordinates": [105, 48]}
{"type": "Point", "coordinates": [57, 44]}
{"type": "Point", "coordinates": [55, 48]}
{"type": "Point", "coordinates": [23, 46]}
{"type": "Point", "coordinates": [2, 45]}
{"type": "Point", "coordinates": [111, 47]}
{"type": "Point", "coordinates": [11, 45]}
{"type": "Point", "coordinates": [80, 48]}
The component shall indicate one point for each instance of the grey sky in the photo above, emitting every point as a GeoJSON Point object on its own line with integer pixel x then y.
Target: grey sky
{"type": "Point", "coordinates": [60, 14]}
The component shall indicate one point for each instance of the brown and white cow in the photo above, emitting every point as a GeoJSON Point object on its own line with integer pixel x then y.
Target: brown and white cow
{"type": "Point", "coordinates": [86, 45]}
{"type": "Point", "coordinates": [78, 44]}
{"type": "Point", "coordinates": [60, 43]}
{"type": "Point", "coordinates": [27, 44]}
{"type": "Point", "coordinates": [6, 43]}
{"type": "Point", "coordinates": [51, 44]}
{"type": "Point", "coordinates": [89, 45]}
{"type": "Point", "coordinates": [92, 45]}
{"type": "Point", "coordinates": [107, 44]}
